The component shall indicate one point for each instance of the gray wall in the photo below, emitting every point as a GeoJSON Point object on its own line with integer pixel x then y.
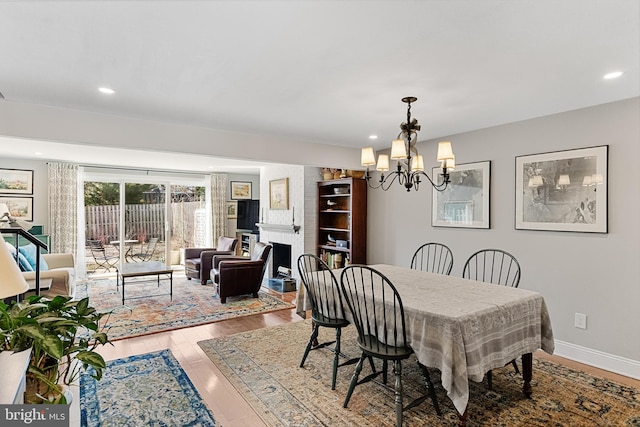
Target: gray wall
{"type": "Point", "coordinates": [595, 274]}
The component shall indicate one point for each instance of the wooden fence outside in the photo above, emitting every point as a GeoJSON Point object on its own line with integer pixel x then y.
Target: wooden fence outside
{"type": "Point", "coordinates": [143, 222]}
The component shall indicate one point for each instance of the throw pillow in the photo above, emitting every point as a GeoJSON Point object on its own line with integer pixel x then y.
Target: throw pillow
{"type": "Point", "coordinates": [30, 252]}
{"type": "Point", "coordinates": [22, 261]}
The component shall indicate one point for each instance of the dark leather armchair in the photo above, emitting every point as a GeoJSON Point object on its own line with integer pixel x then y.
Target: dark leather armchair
{"type": "Point", "coordinates": [198, 261]}
{"type": "Point", "coordinates": [240, 275]}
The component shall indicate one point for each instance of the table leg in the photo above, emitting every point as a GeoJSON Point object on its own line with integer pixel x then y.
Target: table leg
{"type": "Point", "coordinates": [171, 286]}
{"type": "Point", "coordinates": [527, 373]}
{"type": "Point", "coordinates": [462, 418]}
{"type": "Point", "coordinates": [122, 290]}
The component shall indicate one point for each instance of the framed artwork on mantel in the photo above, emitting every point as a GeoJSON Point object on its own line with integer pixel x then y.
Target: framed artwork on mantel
{"type": "Point", "coordinates": [279, 194]}
{"type": "Point", "coordinates": [562, 190]}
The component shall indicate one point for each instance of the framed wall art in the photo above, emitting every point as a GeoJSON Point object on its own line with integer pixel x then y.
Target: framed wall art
{"type": "Point", "coordinates": [279, 194]}
{"type": "Point", "coordinates": [465, 201]}
{"type": "Point", "coordinates": [16, 181]}
{"type": "Point", "coordinates": [232, 209]}
{"type": "Point", "coordinates": [19, 207]}
{"type": "Point", "coordinates": [240, 190]}
{"type": "Point", "coordinates": [563, 190]}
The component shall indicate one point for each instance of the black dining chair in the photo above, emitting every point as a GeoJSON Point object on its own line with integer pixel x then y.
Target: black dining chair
{"type": "Point", "coordinates": [434, 258]}
{"type": "Point", "coordinates": [327, 310]}
{"type": "Point", "coordinates": [493, 266]}
{"type": "Point", "coordinates": [378, 314]}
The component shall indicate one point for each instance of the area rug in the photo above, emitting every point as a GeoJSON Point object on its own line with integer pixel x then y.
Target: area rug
{"type": "Point", "coordinates": [263, 366]}
{"type": "Point", "coordinates": [149, 389]}
{"type": "Point", "coordinates": [147, 310]}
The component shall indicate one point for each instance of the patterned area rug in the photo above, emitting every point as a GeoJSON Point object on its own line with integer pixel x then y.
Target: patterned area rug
{"type": "Point", "coordinates": [148, 389]}
{"type": "Point", "coordinates": [263, 366]}
{"type": "Point", "coordinates": [192, 304]}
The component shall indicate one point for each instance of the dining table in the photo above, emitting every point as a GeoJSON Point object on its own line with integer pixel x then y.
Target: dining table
{"type": "Point", "coordinates": [466, 328]}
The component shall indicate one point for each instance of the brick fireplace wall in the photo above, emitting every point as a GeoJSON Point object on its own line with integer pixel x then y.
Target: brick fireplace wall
{"type": "Point", "coordinates": [302, 197]}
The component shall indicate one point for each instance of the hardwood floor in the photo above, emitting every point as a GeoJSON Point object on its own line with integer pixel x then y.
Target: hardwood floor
{"type": "Point", "coordinates": [228, 407]}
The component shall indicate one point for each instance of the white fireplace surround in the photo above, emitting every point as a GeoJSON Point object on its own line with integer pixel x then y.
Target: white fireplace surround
{"type": "Point", "coordinates": [297, 248]}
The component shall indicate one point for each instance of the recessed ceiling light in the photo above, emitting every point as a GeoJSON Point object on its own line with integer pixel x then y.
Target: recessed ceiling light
{"type": "Point", "coordinates": [613, 75]}
{"type": "Point", "coordinates": [37, 153]}
{"type": "Point", "coordinates": [106, 90]}
{"type": "Point", "coordinates": [373, 136]}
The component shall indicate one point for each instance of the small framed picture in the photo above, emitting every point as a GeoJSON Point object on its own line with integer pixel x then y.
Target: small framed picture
{"type": "Point", "coordinates": [563, 190]}
{"type": "Point", "coordinates": [16, 181]}
{"type": "Point", "coordinates": [240, 190]}
{"type": "Point", "coordinates": [279, 194]}
{"type": "Point", "coordinates": [232, 209]}
{"type": "Point", "coordinates": [19, 207]}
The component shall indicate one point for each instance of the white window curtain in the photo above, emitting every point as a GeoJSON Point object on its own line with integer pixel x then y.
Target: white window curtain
{"type": "Point", "coordinates": [63, 207]}
{"type": "Point", "coordinates": [219, 186]}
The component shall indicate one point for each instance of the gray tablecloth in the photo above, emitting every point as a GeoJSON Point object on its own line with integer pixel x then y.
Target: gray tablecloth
{"type": "Point", "coordinates": [465, 328]}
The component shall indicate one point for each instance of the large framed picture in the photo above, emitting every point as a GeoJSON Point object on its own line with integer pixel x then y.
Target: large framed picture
{"type": "Point", "coordinates": [240, 190]}
{"type": "Point", "coordinates": [563, 190]}
{"type": "Point", "coordinates": [279, 194]}
{"type": "Point", "coordinates": [16, 181]}
{"type": "Point", "coordinates": [466, 200]}
{"type": "Point", "coordinates": [19, 207]}
{"type": "Point", "coordinates": [232, 209]}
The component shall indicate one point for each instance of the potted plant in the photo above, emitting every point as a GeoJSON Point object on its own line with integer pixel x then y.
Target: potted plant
{"type": "Point", "coordinates": [62, 334]}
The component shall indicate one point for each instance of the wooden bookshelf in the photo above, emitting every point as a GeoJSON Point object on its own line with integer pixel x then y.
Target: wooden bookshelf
{"type": "Point", "coordinates": [342, 217]}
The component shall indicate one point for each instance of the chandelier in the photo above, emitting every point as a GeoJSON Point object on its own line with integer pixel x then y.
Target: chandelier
{"type": "Point", "coordinates": [410, 164]}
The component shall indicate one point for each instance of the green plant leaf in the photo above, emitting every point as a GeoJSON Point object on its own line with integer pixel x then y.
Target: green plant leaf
{"type": "Point", "coordinates": [101, 337]}
{"type": "Point", "coordinates": [91, 358]}
{"type": "Point", "coordinates": [82, 306]}
{"type": "Point", "coordinates": [49, 342]}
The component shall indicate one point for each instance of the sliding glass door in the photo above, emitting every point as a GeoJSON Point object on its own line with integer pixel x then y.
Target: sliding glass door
{"type": "Point", "coordinates": [131, 219]}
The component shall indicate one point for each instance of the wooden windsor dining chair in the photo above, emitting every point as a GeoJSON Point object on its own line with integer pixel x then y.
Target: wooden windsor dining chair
{"type": "Point", "coordinates": [434, 258]}
{"type": "Point", "coordinates": [378, 315]}
{"type": "Point", "coordinates": [493, 266]}
{"type": "Point", "coordinates": [327, 310]}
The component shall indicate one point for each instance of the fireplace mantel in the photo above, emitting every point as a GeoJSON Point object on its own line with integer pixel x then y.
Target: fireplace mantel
{"type": "Point", "coordinates": [283, 228]}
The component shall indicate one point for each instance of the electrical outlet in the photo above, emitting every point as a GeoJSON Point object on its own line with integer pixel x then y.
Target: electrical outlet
{"type": "Point", "coordinates": [581, 321]}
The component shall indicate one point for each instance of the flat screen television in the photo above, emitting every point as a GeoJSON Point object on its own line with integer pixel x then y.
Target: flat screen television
{"type": "Point", "coordinates": [248, 215]}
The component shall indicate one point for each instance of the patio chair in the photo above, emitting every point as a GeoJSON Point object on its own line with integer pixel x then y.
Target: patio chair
{"type": "Point", "coordinates": [100, 256]}
{"type": "Point", "coordinates": [146, 250]}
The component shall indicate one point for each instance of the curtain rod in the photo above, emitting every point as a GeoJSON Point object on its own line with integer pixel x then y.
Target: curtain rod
{"type": "Point", "coordinates": [147, 170]}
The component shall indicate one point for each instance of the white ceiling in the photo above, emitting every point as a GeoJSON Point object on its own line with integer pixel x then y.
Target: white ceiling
{"type": "Point", "coordinates": [326, 71]}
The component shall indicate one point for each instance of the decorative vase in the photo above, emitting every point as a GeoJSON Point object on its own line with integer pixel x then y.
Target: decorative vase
{"type": "Point", "coordinates": [327, 174]}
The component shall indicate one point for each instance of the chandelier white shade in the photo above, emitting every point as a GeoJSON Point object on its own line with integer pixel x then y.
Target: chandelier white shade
{"type": "Point", "coordinates": [409, 163]}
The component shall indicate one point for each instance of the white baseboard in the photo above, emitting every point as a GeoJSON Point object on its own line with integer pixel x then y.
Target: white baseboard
{"type": "Point", "coordinates": [598, 359]}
